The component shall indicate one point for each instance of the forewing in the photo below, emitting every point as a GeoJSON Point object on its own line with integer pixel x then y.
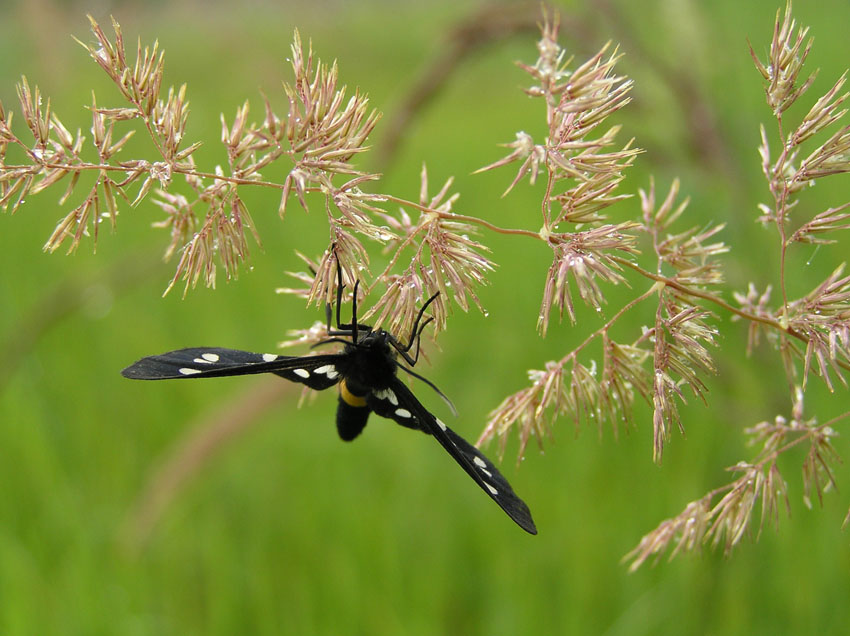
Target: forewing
{"type": "Point", "coordinates": [317, 372]}
{"type": "Point", "coordinates": [399, 404]}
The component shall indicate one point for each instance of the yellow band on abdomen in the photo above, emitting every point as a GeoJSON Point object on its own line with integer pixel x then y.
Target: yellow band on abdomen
{"type": "Point", "coordinates": [349, 398]}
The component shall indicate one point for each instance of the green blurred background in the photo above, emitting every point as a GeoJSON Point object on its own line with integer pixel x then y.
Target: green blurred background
{"type": "Point", "coordinates": [281, 528]}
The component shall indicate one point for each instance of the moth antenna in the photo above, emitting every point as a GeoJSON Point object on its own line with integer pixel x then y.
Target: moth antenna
{"type": "Point", "coordinates": [433, 386]}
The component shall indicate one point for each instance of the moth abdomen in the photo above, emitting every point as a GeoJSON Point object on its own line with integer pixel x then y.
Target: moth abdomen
{"type": "Point", "coordinates": [350, 419]}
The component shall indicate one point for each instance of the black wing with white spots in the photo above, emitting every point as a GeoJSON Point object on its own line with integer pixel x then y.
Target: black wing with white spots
{"type": "Point", "coordinates": [399, 404]}
{"type": "Point", "coordinates": [386, 404]}
{"type": "Point", "coordinates": [317, 372]}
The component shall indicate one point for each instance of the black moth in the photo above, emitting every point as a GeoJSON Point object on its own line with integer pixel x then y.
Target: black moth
{"type": "Point", "coordinates": [366, 373]}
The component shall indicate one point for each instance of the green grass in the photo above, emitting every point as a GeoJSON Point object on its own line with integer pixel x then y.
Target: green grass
{"type": "Point", "coordinates": [289, 531]}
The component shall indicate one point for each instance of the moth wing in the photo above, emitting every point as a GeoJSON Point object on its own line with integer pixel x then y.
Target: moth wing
{"type": "Point", "coordinates": [399, 404]}
{"type": "Point", "coordinates": [317, 372]}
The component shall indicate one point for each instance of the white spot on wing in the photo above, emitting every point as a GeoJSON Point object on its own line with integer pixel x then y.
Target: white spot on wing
{"type": "Point", "coordinates": [402, 412]}
{"type": "Point", "coordinates": [210, 357]}
{"type": "Point", "coordinates": [387, 394]}
{"type": "Point", "coordinates": [328, 369]}
{"type": "Point", "coordinates": [482, 466]}
{"type": "Point", "coordinates": [301, 373]}
{"type": "Point", "coordinates": [491, 489]}
{"type": "Point", "coordinates": [441, 425]}
{"type": "Point", "coordinates": [270, 357]}
{"type": "Point", "coordinates": [188, 371]}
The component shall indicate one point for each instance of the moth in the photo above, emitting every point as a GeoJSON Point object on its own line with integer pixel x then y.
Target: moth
{"type": "Point", "coordinates": [366, 373]}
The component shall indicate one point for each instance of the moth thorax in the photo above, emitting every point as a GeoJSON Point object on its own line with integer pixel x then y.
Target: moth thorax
{"type": "Point", "coordinates": [371, 365]}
